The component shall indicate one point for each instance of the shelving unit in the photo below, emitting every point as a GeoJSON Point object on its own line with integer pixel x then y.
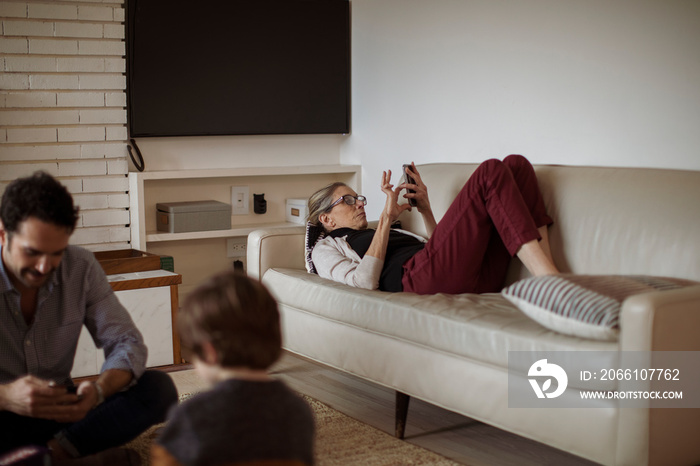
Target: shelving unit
{"type": "Point", "coordinates": [141, 184]}
{"type": "Point", "coordinates": [240, 230]}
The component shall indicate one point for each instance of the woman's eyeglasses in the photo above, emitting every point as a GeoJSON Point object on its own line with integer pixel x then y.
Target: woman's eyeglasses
{"type": "Point", "coordinates": [349, 200]}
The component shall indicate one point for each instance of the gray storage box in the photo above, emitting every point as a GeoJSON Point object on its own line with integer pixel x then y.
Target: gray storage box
{"type": "Point", "coordinates": [181, 217]}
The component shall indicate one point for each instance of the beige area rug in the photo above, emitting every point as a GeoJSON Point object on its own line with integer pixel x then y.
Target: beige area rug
{"type": "Point", "coordinates": [340, 440]}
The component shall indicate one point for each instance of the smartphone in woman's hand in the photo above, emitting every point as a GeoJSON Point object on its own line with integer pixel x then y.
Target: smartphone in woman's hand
{"type": "Point", "coordinates": [409, 179]}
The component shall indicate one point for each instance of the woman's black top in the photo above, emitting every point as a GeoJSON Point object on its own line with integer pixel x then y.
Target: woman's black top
{"type": "Point", "coordinates": [401, 248]}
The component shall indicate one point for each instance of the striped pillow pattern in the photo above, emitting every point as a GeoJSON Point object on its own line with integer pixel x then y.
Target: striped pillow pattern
{"type": "Point", "coordinates": [314, 234]}
{"type": "Point", "coordinates": [586, 306]}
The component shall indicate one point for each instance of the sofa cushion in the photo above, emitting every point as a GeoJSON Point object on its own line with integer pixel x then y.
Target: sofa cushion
{"type": "Point", "coordinates": [482, 327]}
{"type": "Point", "coordinates": [586, 306]}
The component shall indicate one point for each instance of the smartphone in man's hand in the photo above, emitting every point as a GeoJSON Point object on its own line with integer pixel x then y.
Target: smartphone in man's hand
{"type": "Point", "coordinates": [409, 179]}
{"type": "Point", "coordinates": [70, 390]}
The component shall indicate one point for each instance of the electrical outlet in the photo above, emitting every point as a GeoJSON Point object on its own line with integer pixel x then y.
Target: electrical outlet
{"type": "Point", "coordinates": [240, 200]}
{"type": "Point", "coordinates": [236, 248]}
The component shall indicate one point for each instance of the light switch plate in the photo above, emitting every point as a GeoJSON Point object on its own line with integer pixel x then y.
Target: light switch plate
{"type": "Point", "coordinates": [240, 200]}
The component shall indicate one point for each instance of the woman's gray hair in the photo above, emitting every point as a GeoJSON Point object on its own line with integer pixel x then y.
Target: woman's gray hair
{"type": "Point", "coordinates": [320, 201]}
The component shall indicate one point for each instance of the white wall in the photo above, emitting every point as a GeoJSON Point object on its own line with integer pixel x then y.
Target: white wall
{"type": "Point", "coordinates": [587, 82]}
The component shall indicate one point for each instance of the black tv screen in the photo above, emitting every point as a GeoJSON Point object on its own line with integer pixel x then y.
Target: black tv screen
{"type": "Point", "coordinates": [232, 67]}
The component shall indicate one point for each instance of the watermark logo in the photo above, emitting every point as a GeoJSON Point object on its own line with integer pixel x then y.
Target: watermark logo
{"type": "Point", "coordinates": [541, 369]}
{"type": "Point", "coordinates": [594, 379]}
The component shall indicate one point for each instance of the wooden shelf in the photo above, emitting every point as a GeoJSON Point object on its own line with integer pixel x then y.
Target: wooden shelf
{"type": "Point", "coordinates": [240, 230]}
{"type": "Point", "coordinates": [127, 260]}
{"type": "Point", "coordinates": [245, 171]}
{"type": "Point", "coordinates": [146, 279]}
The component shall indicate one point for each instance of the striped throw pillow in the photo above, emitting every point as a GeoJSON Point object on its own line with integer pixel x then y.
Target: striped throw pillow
{"type": "Point", "coordinates": [586, 306]}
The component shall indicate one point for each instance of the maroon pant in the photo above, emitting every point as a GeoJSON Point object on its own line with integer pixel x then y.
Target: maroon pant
{"type": "Point", "coordinates": [498, 210]}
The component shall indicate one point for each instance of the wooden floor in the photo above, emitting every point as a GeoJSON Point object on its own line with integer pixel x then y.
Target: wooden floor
{"type": "Point", "coordinates": [454, 436]}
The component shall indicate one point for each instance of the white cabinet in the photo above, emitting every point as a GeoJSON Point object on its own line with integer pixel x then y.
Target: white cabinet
{"type": "Point", "coordinates": [151, 300]}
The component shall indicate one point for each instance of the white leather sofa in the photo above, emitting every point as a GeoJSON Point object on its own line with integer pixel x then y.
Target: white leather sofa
{"type": "Point", "coordinates": [452, 351]}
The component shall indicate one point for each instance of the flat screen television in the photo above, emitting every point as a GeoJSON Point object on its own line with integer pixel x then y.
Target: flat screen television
{"type": "Point", "coordinates": [237, 67]}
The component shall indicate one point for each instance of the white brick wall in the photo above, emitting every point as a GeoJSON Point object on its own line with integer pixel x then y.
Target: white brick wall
{"type": "Point", "coordinates": [63, 107]}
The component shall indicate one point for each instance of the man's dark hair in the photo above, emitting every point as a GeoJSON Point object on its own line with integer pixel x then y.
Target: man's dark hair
{"type": "Point", "coordinates": [39, 196]}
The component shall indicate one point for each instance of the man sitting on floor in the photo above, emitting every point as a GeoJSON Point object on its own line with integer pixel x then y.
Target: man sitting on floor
{"type": "Point", "coordinates": [48, 291]}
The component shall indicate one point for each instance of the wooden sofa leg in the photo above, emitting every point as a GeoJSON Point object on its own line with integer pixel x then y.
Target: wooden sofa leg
{"type": "Point", "coordinates": [401, 413]}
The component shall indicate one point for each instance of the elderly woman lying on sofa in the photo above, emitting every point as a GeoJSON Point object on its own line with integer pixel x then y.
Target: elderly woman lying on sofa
{"type": "Point", "coordinates": [498, 213]}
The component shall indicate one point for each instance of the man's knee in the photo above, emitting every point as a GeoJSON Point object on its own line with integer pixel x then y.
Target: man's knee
{"type": "Point", "coordinates": [157, 391]}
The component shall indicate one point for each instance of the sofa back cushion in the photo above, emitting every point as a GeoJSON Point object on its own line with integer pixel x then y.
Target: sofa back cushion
{"type": "Point", "coordinates": [606, 220]}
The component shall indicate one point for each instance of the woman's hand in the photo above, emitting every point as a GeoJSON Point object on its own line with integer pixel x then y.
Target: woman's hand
{"type": "Point", "coordinates": [392, 209]}
{"type": "Point", "coordinates": [421, 190]}
{"type": "Point", "coordinates": [421, 198]}
{"type": "Point", "coordinates": [391, 212]}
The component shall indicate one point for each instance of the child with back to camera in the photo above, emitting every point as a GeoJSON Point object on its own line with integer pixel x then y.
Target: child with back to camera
{"type": "Point", "coordinates": [230, 325]}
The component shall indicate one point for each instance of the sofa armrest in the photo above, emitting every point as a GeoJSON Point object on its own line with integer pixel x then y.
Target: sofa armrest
{"type": "Point", "coordinates": [661, 321]}
{"type": "Point", "coordinates": [275, 247]}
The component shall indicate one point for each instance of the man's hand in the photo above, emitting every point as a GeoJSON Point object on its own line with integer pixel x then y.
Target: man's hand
{"type": "Point", "coordinates": [33, 397]}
